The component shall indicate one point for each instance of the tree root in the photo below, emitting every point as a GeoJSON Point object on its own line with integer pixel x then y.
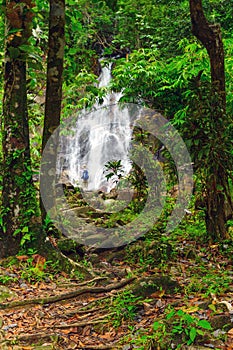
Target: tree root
{"type": "Point", "coordinates": [99, 278]}
{"type": "Point", "coordinates": [76, 265]}
{"type": "Point", "coordinates": [86, 309]}
{"type": "Point", "coordinates": [85, 283]}
{"type": "Point", "coordinates": [32, 337]}
{"type": "Point", "coordinates": [101, 347]}
{"type": "Point", "coordinates": [65, 296]}
{"type": "Point", "coordinates": [84, 323]}
{"type": "Point", "coordinates": [84, 312]}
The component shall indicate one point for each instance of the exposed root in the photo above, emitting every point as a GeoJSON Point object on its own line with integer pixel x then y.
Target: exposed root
{"type": "Point", "coordinates": [65, 296]}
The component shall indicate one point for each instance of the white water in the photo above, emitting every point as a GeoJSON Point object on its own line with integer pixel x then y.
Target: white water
{"type": "Point", "coordinates": [99, 136]}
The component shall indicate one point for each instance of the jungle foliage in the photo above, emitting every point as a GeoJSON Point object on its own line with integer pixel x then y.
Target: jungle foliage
{"type": "Point", "coordinates": [159, 64]}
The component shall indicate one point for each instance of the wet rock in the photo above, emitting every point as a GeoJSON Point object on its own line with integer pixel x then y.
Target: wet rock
{"type": "Point", "coordinates": [125, 195]}
{"type": "Point", "coordinates": [83, 211]}
{"type": "Point", "coordinates": [112, 194]}
{"type": "Point", "coordinates": [95, 238]}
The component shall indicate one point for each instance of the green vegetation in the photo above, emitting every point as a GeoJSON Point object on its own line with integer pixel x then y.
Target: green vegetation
{"type": "Point", "coordinates": [159, 62]}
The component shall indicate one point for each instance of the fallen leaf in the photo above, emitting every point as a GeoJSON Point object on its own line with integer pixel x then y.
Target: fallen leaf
{"type": "Point", "coordinates": [159, 294]}
{"type": "Point", "coordinates": [190, 310]}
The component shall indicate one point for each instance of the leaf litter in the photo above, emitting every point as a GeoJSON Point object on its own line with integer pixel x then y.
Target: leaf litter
{"type": "Point", "coordinates": [86, 321]}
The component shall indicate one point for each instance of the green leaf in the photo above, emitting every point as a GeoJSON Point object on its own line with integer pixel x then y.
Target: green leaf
{"type": "Point", "coordinates": [16, 232]}
{"type": "Point", "coordinates": [156, 325]}
{"type": "Point", "coordinates": [35, 65]}
{"type": "Point", "coordinates": [180, 313]}
{"type": "Point", "coordinates": [34, 56]}
{"type": "Point", "coordinates": [204, 324]}
{"type": "Point", "coordinates": [76, 26]}
{"type": "Point", "coordinates": [200, 332]}
{"type": "Point", "coordinates": [212, 307]}
{"type": "Point", "coordinates": [26, 48]}
{"type": "Point", "coordinates": [192, 334]}
{"type": "Point", "coordinates": [72, 51]}
{"type": "Point", "coordinates": [170, 315]}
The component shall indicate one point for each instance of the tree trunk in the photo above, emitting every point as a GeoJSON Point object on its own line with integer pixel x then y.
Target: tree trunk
{"type": "Point", "coordinates": [217, 184]}
{"type": "Point", "coordinates": [18, 195]}
{"type": "Point", "coordinates": [210, 37]}
{"type": "Point", "coordinates": [53, 100]}
{"type": "Point", "coordinates": [54, 68]}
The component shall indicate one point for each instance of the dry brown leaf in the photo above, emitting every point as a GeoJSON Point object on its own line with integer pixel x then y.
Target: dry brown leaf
{"type": "Point", "coordinates": [159, 294]}
{"type": "Point", "coordinates": [229, 342]}
{"type": "Point", "coordinates": [22, 257]}
{"type": "Point", "coordinates": [190, 310]}
{"type": "Point", "coordinates": [106, 336]}
{"type": "Point", "coordinates": [86, 331]}
{"type": "Point", "coordinates": [39, 261]}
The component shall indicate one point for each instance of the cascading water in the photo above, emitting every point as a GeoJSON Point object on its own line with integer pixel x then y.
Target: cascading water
{"type": "Point", "coordinates": [99, 136]}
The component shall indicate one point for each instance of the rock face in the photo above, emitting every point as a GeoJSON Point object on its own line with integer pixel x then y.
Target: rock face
{"type": "Point", "coordinates": [112, 194]}
{"type": "Point", "coordinates": [64, 181]}
{"type": "Point", "coordinates": [126, 195]}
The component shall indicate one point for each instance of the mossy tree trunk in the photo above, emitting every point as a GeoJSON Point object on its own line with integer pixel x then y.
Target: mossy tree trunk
{"type": "Point", "coordinates": [216, 183]}
{"type": "Point", "coordinates": [19, 208]}
{"type": "Point", "coordinates": [53, 99]}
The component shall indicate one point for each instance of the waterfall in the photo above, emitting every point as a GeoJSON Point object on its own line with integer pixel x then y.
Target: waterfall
{"type": "Point", "coordinates": [95, 138]}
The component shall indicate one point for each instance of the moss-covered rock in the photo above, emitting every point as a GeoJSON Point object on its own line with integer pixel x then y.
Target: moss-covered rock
{"type": "Point", "coordinates": [71, 248]}
{"type": "Point", "coordinates": [149, 285]}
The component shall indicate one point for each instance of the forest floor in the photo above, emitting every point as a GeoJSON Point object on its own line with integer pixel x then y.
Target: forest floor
{"type": "Point", "coordinates": [184, 303]}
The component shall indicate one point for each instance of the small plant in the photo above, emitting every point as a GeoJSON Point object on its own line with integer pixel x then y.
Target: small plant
{"type": "Point", "coordinates": [124, 307]}
{"type": "Point", "coordinates": [5, 279]}
{"type": "Point", "coordinates": [114, 169]}
{"type": "Point", "coordinates": [179, 328]}
{"type": "Point", "coordinates": [34, 269]}
{"type": "Point", "coordinates": [184, 326]}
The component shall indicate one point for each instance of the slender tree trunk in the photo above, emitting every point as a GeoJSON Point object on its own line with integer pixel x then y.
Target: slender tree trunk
{"type": "Point", "coordinates": [54, 68]}
{"type": "Point", "coordinates": [18, 194]}
{"type": "Point", "coordinates": [210, 37]}
{"type": "Point", "coordinates": [53, 99]}
{"type": "Point", "coordinates": [217, 183]}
